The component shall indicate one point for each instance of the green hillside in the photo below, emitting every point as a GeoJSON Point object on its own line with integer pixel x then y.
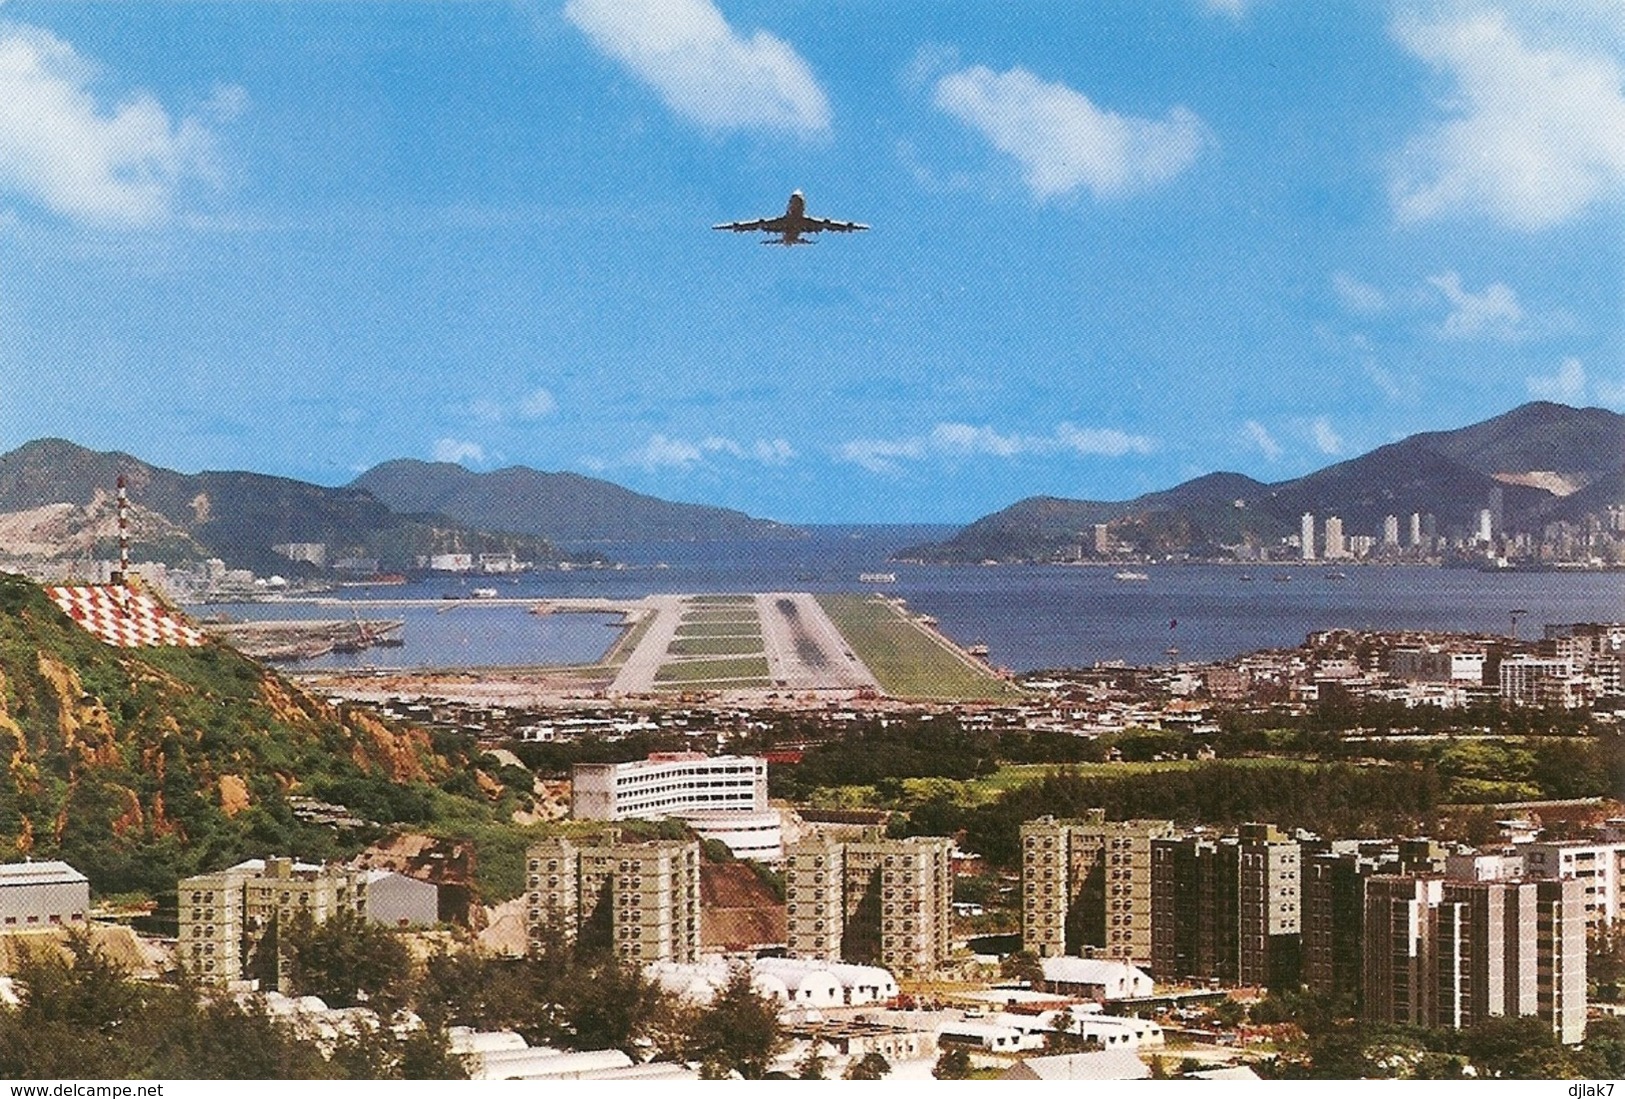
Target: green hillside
{"type": "Point", "coordinates": [139, 766]}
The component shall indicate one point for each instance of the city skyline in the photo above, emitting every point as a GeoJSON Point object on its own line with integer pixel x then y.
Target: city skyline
{"type": "Point", "coordinates": [1112, 249]}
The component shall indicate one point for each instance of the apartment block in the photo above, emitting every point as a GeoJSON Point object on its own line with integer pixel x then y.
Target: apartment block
{"type": "Point", "coordinates": [1087, 883]}
{"type": "Point", "coordinates": [1441, 953]}
{"type": "Point", "coordinates": [223, 917]}
{"type": "Point", "coordinates": [639, 899]}
{"type": "Point", "coordinates": [1598, 867]}
{"type": "Point", "coordinates": [1227, 908]}
{"type": "Point", "coordinates": [1333, 907]}
{"type": "Point", "coordinates": [873, 901]}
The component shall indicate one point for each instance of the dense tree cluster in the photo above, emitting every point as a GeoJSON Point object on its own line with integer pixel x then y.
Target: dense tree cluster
{"type": "Point", "coordinates": [1335, 799]}
{"type": "Point", "coordinates": [1515, 1048]}
{"type": "Point", "coordinates": [83, 1016]}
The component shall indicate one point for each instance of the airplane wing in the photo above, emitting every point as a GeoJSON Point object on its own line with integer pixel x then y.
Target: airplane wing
{"type": "Point", "coordinates": [818, 225]}
{"type": "Point", "coordinates": [761, 225]}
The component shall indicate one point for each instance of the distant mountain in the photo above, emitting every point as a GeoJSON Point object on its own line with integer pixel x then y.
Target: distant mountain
{"type": "Point", "coordinates": [1548, 461]}
{"type": "Point", "coordinates": [564, 507]}
{"type": "Point", "coordinates": [235, 516]}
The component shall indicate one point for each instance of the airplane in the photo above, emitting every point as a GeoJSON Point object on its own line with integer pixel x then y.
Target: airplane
{"type": "Point", "coordinates": [789, 227]}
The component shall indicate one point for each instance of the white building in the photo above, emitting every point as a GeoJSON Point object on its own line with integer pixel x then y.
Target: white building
{"type": "Point", "coordinates": [42, 894]}
{"type": "Point", "coordinates": [791, 982]}
{"type": "Point", "coordinates": [1306, 535]}
{"type": "Point", "coordinates": [1334, 546]}
{"type": "Point", "coordinates": [749, 835]}
{"type": "Point", "coordinates": [1540, 681]}
{"type": "Point", "coordinates": [1600, 868]}
{"type": "Point", "coordinates": [668, 784]}
{"type": "Point", "coordinates": [721, 797]}
{"type": "Point", "coordinates": [1095, 978]}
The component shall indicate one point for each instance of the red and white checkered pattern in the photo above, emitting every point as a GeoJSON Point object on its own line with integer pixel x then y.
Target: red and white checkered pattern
{"type": "Point", "coordinates": [125, 618]}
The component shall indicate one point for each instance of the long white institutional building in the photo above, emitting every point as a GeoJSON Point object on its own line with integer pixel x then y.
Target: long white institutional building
{"type": "Point", "coordinates": [721, 797]}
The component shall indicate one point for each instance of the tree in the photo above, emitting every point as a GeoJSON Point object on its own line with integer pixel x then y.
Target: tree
{"type": "Point", "coordinates": [954, 1064]}
{"type": "Point", "coordinates": [872, 1066]}
{"type": "Point", "coordinates": [812, 1063]}
{"type": "Point", "coordinates": [347, 959]}
{"type": "Point", "coordinates": [738, 1032]}
{"type": "Point", "coordinates": [1023, 965]}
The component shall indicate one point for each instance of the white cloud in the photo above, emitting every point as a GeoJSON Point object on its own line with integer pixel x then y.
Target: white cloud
{"type": "Point", "coordinates": [460, 451]}
{"type": "Point", "coordinates": [1327, 441]}
{"type": "Point", "coordinates": [955, 438]}
{"type": "Point", "coordinates": [536, 404]}
{"type": "Point", "coordinates": [1533, 137]}
{"type": "Point", "coordinates": [772, 452]}
{"type": "Point", "coordinates": [1062, 140]}
{"type": "Point", "coordinates": [665, 452]}
{"type": "Point", "coordinates": [881, 455]}
{"type": "Point", "coordinates": [661, 452]}
{"type": "Point", "coordinates": [1567, 386]}
{"type": "Point", "coordinates": [958, 440]}
{"type": "Point", "coordinates": [1357, 296]}
{"type": "Point", "coordinates": [702, 68]}
{"type": "Point", "coordinates": [1109, 441]}
{"type": "Point", "coordinates": [119, 165]}
{"type": "Point", "coordinates": [1263, 440]}
{"type": "Point", "coordinates": [1493, 313]}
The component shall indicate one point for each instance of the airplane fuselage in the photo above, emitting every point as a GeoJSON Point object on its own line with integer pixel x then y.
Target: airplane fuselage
{"type": "Point", "coordinates": [795, 220]}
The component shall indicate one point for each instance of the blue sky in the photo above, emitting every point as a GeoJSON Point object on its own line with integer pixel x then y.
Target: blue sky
{"type": "Point", "coordinates": [1114, 245]}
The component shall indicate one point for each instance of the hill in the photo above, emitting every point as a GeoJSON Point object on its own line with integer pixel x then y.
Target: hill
{"type": "Point", "coordinates": [1548, 461]}
{"type": "Point", "coordinates": [236, 516]}
{"type": "Point", "coordinates": [564, 507]}
{"type": "Point", "coordinates": [139, 766]}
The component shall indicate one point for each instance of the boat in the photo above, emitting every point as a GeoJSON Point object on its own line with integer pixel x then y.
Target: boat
{"type": "Point", "coordinates": [977, 650]}
{"type": "Point", "coordinates": [485, 593]}
{"type": "Point", "coordinates": [877, 577]}
{"type": "Point", "coordinates": [1337, 576]}
{"type": "Point", "coordinates": [1130, 574]}
{"type": "Point", "coordinates": [1282, 578]}
{"type": "Point", "coordinates": [1246, 578]}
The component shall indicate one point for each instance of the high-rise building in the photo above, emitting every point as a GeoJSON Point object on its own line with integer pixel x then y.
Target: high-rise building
{"type": "Point", "coordinates": [1416, 528]}
{"type": "Point", "coordinates": [640, 899]}
{"type": "Point", "coordinates": [1334, 544]}
{"type": "Point", "coordinates": [1333, 901]}
{"type": "Point", "coordinates": [1390, 530]}
{"type": "Point", "coordinates": [1598, 867]}
{"type": "Point", "coordinates": [1441, 953]}
{"type": "Point", "coordinates": [1306, 536]}
{"type": "Point", "coordinates": [224, 917]}
{"type": "Point", "coordinates": [1268, 906]}
{"type": "Point", "coordinates": [1227, 908]}
{"type": "Point", "coordinates": [1087, 883]}
{"type": "Point", "coordinates": [873, 901]}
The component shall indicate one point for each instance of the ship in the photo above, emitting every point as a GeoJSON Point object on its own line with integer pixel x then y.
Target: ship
{"type": "Point", "coordinates": [877, 577]}
{"type": "Point", "coordinates": [1130, 574]}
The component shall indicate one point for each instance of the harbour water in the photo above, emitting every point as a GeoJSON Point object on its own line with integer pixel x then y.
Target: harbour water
{"type": "Point", "coordinates": [1030, 617]}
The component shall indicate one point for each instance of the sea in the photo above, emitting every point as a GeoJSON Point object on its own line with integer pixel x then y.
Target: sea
{"type": "Point", "coordinates": [1030, 617]}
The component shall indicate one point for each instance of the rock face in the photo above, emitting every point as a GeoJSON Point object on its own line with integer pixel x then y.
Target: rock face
{"type": "Point", "coordinates": [141, 765]}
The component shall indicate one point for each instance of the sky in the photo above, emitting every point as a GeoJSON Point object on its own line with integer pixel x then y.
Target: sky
{"type": "Point", "coordinates": [1114, 245]}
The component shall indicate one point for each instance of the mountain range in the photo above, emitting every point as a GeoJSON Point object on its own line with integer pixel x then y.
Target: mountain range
{"type": "Point", "coordinates": [59, 500]}
{"type": "Point", "coordinates": [1549, 462]}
